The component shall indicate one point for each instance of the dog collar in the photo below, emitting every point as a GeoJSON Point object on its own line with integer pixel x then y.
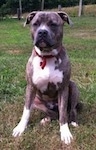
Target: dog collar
{"type": "Point", "coordinates": [45, 57]}
{"type": "Point", "coordinates": [43, 62]}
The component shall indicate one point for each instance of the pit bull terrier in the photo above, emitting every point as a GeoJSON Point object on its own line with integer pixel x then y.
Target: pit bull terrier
{"type": "Point", "coordinates": [48, 75]}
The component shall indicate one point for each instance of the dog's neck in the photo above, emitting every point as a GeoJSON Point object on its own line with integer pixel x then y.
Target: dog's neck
{"type": "Point", "coordinates": [53, 52]}
{"type": "Point", "coordinates": [46, 55]}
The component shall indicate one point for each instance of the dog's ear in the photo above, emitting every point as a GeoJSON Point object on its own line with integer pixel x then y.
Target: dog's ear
{"type": "Point", "coordinates": [29, 18]}
{"type": "Point", "coordinates": [64, 16]}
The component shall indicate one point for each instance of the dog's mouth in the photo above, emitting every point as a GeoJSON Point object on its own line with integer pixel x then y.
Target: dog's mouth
{"type": "Point", "coordinates": [41, 43]}
{"type": "Point", "coordinates": [44, 43]}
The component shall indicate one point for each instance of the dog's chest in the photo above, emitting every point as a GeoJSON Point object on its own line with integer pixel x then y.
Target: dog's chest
{"type": "Point", "coordinates": [41, 77]}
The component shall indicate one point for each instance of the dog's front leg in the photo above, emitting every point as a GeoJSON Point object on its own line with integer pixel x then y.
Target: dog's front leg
{"type": "Point", "coordinates": [19, 129]}
{"type": "Point", "coordinates": [64, 129]}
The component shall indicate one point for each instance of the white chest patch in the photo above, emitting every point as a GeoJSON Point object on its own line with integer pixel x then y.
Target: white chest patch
{"type": "Point", "coordinates": [41, 77]}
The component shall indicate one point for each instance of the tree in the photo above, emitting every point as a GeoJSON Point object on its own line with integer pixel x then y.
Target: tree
{"type": "Point", "coordinates": [42, 5]}
{"type": "Point", "coordinates": [10, 6]}
{"type": "Point", "coordinates": [19, 10]}
{"type": "Point", "coordinates": [20, 7]}
{"type": "Point", "coordinates": [80, 8]}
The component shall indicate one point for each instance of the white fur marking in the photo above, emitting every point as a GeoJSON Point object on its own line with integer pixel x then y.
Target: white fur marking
{"type": "Point", "coordinates": [74, 124]}
{"type": "Point", "coordinates": [44, 121]}
{"type": "Point", "coordinates": [60, 61]}
{"type": "Point", "coordinates": [66, 135]}
{"type": "Point", "coordinates": [43, 27]}
{"type": "Point", "coordinates": [41, 77]}
{"type": "Point", "coordinates": [19, 129]}
{"type": "Point", "coordinates": [54, 52]}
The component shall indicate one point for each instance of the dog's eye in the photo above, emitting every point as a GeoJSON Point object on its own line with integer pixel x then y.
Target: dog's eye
{"type": "Point", "coordinates": [52, 24]}
{"type": "Point", "coordinates": [36, 24]}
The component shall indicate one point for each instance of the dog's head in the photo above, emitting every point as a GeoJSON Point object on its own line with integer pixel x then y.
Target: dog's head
{"type": "Point", "coordinates": [47, 29]}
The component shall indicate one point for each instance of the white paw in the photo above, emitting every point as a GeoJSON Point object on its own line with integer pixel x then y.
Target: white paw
{"type": "Point", "coordinates": [74, 124]}
{"type": "Point", "coordinates": [44, 121]}
{"type": "Point", "coordinates": [66, 135]}
{"type": "Point", "coordinates": [18, 130]}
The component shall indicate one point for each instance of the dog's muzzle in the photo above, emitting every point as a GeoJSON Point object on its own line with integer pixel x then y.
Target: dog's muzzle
{"type": "Point", "coordinates": [43, 39]}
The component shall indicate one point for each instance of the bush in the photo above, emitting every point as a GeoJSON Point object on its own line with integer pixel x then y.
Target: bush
{"type": "Point", "coordinates": [4, 11]}
{"type": "Point", "coordinates": [10, 6]}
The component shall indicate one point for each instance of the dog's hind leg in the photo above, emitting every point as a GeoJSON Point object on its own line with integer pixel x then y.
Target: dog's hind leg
{"type": "Point", "coordinates": [50, 113]}
{"type": "Point", "coordinates": [73, 101]}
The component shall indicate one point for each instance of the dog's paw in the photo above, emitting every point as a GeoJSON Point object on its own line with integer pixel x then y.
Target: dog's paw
{"type": "Point", "coordinates": [18, 130]}
{"type": "Point", "coordinates": [45, 121]}
{"type": "Point", "coordinates": [74, 124]}
{"type": "Point", "coordinates": [66, 135]}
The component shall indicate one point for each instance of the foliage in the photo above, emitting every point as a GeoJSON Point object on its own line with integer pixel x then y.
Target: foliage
{"type": "Point", "coordinates": [10, 6]}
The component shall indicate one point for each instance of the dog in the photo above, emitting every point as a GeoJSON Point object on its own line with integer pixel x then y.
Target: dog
{"type": "Point", "coordinates": [48, 71]}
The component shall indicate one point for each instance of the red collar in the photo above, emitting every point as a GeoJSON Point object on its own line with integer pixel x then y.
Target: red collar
{"type": "Point", "coordinates": [43, 62]}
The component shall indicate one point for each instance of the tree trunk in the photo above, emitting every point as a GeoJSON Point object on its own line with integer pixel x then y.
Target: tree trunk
{"type": "Point", "coordinates": [42, 5]}
{"type": "Point", "coordinates": [80, 8]}
{"type": "Point", "coordinates": [20, 8]}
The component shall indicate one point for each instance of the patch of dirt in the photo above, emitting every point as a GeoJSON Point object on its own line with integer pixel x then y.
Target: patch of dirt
{"type": "Point", "coordinates": [15, 52]}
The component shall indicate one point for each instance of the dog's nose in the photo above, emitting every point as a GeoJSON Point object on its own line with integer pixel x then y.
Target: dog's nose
{"type": "Point", "coordinates": [43, 33]}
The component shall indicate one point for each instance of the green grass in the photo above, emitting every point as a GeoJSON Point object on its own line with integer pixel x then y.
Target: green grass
{"type": "Point", "coordinates": [15, 49]}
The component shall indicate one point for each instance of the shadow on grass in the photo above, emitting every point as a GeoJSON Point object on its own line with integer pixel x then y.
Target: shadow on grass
{"type": "Point", "coordinates": [87, 116]}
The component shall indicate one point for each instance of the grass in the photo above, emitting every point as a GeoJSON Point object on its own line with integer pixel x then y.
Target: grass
{"type": "Point", "coordinates": [15, 49]}
{"type": "Point", "coordinates": [88, 10]}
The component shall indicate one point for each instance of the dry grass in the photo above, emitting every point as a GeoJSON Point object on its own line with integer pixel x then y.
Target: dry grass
{"type": "Point", "coordinates": [45, 138]}
{"type": "Point", "coordinates": [88, 10]}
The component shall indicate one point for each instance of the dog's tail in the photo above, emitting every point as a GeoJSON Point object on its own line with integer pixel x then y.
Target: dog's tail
{"type": "Point", "coordinates": [79, 107]}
